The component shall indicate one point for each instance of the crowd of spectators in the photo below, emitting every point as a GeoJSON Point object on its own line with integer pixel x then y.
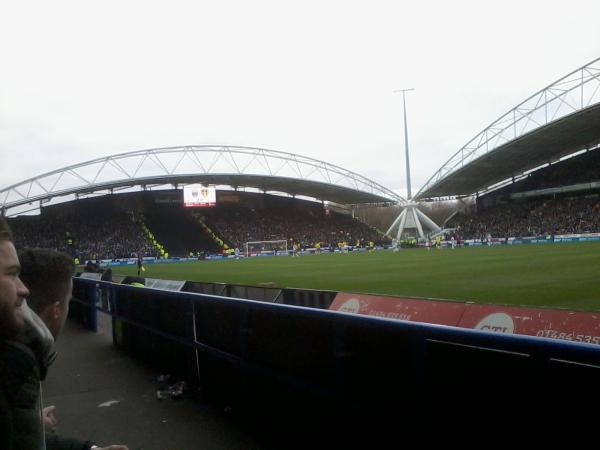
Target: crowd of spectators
{"type": "Point", "coordinates": [84, 236]}
{"type": "Point", "coordinates": [239, 224]}
{"type": "Point", "coordinates": [499, 216]}
{"type": "Point", "coordinates": [537, 217]}
{"type": "Point", "coordinates": [118, 235]}
{"type": "Point", "coordinates": [103, 233]}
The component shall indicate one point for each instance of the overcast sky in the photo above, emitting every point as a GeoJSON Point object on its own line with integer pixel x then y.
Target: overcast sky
{"type": "Point", "coordinates": [82, 79]}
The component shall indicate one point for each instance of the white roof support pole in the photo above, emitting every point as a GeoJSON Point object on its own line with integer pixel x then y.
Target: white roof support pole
{"type": "Point", "coordinates": [430, 223]}
{"type": "Point", "coordinates": [421, 221]}
{"type": "Point", "coordinates": [393, 225]}
{"type": "Point", "coordinates": [402, 218]}
{"type": "Point", "coordinates": [414, 210]}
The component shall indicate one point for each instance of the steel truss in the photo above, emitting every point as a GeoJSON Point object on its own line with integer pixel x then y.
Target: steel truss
{"type": "Point", "coordinates": [166, 165]}
{"type": "Point", "coordinates": [576, 91]}
{"type": "Point", "coordinates": [413, 218]}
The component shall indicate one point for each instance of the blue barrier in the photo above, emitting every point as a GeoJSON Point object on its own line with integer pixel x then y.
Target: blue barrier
{"type": "Point", "coordinates": [592, 237]}
{"type": "Point", "coordinates": [261, 353]}
{"type": "Point", "coordinates": [85, 308]}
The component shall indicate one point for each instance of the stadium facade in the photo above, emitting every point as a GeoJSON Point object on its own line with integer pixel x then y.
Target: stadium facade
{"type": "Point", "coordinates": [267, 171]}
{"type": "Point", "coordinates": [557, 123]}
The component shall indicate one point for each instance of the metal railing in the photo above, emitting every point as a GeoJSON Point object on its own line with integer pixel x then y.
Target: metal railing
{"type": "Point", "coordinates": [245, 348]}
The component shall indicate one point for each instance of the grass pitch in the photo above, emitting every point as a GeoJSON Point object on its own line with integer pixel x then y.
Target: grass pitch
{"type": "Point", "coordinates": [551, 275]}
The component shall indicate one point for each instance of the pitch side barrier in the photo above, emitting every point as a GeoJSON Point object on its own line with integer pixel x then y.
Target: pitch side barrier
{"type": "Point", "coordinates": [311, 298]}
{"type": "Point", "coordinates": [307, 365]}
{"type": "Point", "coordinates": [153, 260]}
{"type": "Point", "coordinates": [547, 239]}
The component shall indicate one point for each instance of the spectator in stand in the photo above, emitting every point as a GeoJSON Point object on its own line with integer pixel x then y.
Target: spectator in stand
{"type": "Point", "coordinates": [118, 235]}
{"type": "Point", "coordinates": [12, 297]}
{"type": "Point", "coordinates": [48, 275]}
{"type": "Point", "coordinates": [12, 289]}
{"type": "Point", "coordinates": [239, 224]}
{"type": "Point", "coordinates": [567, 215]}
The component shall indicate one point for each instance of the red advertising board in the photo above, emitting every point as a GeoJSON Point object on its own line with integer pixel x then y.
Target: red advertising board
{"type": "Point", "coordinates": [415, 310]}
{"type": "Point", "coordinates": [555, 324]}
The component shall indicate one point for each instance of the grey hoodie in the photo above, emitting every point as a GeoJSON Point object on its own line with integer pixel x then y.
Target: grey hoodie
{"type": "Point", "coordinates": [24, 363]}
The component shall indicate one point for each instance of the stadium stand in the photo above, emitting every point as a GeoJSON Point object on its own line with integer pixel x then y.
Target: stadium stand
{"type": "Point", "coordinates": [112, 227]}
{"type": "Point", "coordinates": [82, 235]}
{"type": "Point", "coordinates": [177, 230]}
{"type": "Point", "coordinates": [276, 218]}
{"type": "Point", "coordinates": [580, 169]}
{"type": "Point", "coordinates": [558, 199]}
{"type": "Point", "coordinates": [538, 217]}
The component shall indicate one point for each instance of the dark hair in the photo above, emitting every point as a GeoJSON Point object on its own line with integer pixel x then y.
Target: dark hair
{"type": "Point", "coordinates": [5, 233]}
{"type": "Point", "coordinates": [107, 275]}
{"type": "Point", "coordinates": [45, 273]}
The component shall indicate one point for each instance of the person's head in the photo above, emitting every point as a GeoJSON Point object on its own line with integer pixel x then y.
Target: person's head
{"type": "Point", "coordinates": [47, 274]}
{"type": "Point", "coordinates": [89, 267]}
{"type": "Point", "coordinates": [12, 289]}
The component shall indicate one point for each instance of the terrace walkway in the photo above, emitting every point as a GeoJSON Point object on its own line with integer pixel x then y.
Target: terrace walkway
{"type": "Point", "coordinates": [90, 372]}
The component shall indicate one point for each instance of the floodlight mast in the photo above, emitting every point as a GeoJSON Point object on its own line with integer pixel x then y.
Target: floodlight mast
{"type": "Point", "coordinates": [404, 91]}
{"type": "Point", "coordinates": [411, 216]}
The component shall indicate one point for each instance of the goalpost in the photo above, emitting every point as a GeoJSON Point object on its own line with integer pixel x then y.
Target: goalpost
{"type": "Point", "coordinates": [255, 248]}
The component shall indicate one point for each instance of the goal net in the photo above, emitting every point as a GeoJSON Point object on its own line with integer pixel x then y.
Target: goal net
{"type": "Point", "coordinates": [256, 248]}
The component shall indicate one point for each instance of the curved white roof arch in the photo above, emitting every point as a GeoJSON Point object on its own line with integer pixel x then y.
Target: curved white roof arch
{"type": "Point", "coordinates": [570, 99]}
{"type": "Point", "coordinates": [267, 170]}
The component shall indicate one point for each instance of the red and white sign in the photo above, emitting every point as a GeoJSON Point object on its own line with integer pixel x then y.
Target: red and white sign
{"type": "Point", "coordinates": [556, 324]}
{"type": "Point", "coordinates": [428, 311]}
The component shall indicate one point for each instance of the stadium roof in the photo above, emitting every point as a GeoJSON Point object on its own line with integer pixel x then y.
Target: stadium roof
{"type": "Point", "coordinates": [557, 121]}
{"type": "Point", "coordinates": [238, 167]}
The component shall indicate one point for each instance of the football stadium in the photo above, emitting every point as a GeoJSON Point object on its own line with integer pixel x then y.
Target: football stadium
{"type": "Point", "coordinates": [531, 177]}
{"type": "Point", "coordinates": [261, 277]}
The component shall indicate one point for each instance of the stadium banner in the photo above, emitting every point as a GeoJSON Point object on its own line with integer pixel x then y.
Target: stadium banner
{"type": "Point", "coordinates": [196, 195]}
{"type": "Point", "coordinates": [584, 239]}
{"type": "Point", "coordinates": [555, 324]}
{"type": "Point", "coordinates": [551, 239]}
{"type": "Point", "coordinates": [480, 242]}
{"type": "Point", "coordinates": [415, 310]}
{"type": "Point", "coordinates": [580, 236]}
{"type": "Point", "coordinates": [132, 261]}
{"type": "Point", "coordinates": [577, 237]}
{"type": "Point", "coordinates": [567, 325]}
